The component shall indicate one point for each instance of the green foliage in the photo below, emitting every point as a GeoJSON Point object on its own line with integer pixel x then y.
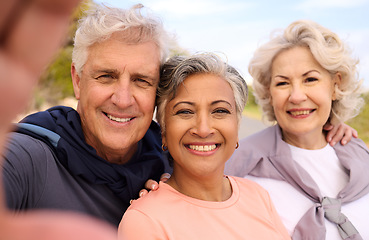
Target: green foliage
{"type": "Point", "coordinates": [252, 108]}
{"type": "Point", "coordinates": [251, 101]}
{"type": "Point", "coordinates": [176, 50]}
{"type": "Point", "coordinates": [57, 79]}
{"type": "Point", "coordinates": [361, 122]}
{"type": "Point", "coordinates": [56, 84]}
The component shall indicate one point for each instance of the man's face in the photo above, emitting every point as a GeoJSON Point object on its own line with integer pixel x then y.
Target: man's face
{"type": "Point", "coordinates": [116, 93]}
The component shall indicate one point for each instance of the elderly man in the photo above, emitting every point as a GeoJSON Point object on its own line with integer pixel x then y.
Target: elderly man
{"type": "Point", "coordinates": [23, 56]}
{"type": "Point", "coordinates": [96, 159]}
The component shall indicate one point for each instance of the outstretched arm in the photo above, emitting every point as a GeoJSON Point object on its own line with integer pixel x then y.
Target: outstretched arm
{"type": "Point", "coordinates": [30, 34]}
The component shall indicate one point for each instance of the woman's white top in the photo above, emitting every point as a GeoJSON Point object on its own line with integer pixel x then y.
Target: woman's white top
{"type": "Point", "coordinates": [331, 177]}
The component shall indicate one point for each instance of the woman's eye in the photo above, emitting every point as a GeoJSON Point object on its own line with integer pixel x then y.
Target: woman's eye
{"type": "Point", "coordinates": [281, 84]}
{"type": "Point", "coordinates": [183, 111]}
{"type": "Point", "coordinates": [221, 111]}
{"type": "Point", "coordinates": [311, 79]}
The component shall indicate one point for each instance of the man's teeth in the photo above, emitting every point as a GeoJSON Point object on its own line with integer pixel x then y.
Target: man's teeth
{"type": "Point", "coordinates": [202, 148]}
{"type": "Point", "coordinates": [297, 113]}
{"type": "Point", "coordinates": [118, 119]}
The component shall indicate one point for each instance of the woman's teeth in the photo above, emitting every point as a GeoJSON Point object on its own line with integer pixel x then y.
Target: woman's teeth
{"type": "Point", "coordinates": [202, 148]}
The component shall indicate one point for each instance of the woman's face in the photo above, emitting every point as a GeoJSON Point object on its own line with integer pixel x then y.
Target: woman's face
{"type": "Point", "coordinates": [201, 125]}
{"type": "Point", "coordinates": [301, 95]}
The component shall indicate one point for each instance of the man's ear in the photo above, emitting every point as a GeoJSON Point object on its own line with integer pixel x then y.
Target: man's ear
{"type": "Point", "coordinates": [336, 84]}
{"type": "Point", "coordinates": [76, 81]}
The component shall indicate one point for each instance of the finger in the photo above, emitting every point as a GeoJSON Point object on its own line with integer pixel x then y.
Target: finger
{"type": "Point", "coordinates": [331, 133]}
{"type": "Point", "coordinates": [336, 135]}
{"type": "Point", "coordinates": [164, 177]}
{"type": "Point", "coordinates": [151, 185]}
{"type": "Point", "coordinates": [328, 126]}
{"type": "Point", "coordinates": [349, 133]}
{"type": "Point", "coordinates": [142, 193]}
{"type": "Point", "coordinates": [355, 133]}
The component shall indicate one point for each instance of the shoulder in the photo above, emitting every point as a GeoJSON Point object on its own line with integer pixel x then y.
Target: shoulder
{"type": "Point", "coordinates": [252, 149]}
{"type": "Point", "coordinates": [142, 219]}
{"type": "Point", "coordinates": [161, 198]}
{"type": "Point", "coordinates": [253, 196]}
{"type": "Point", "coordinates": [24, 153]}
{"type": "Point", "coordinates": [357, 143]}
{"type": "Point", "coordinates": [24, 144]}
{"type": "Point", "coordinates": [259, 144]}
{"type": "Point", "coordinates": [267, 135]}
{"type": "Point", "coordinates": [356, 147]}
{"type": "Point", "coordinates": [247, 185]}
{"type": "Point", "coordinates": [25, 170]}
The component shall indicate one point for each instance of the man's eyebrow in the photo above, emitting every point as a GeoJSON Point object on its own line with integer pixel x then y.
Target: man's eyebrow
{"type": "Point", "coordinates": [105, 70]}
{"type": "Point", "coordinates": [144, 76]}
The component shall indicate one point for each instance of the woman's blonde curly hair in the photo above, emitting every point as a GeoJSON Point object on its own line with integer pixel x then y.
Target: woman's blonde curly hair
{"type": "Point", "coordinates": [328, 50]}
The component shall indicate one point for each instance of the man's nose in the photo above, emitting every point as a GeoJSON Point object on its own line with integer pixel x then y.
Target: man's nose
{"type": "Point", "coordinates": [123, 93]}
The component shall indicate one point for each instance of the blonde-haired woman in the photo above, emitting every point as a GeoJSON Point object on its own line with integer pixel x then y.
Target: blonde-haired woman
{"type": "Point", "coordinates": [304, 78]}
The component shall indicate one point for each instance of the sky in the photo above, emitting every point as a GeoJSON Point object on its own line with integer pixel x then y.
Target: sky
{"type": "Point", "coordinates": [236, 28]}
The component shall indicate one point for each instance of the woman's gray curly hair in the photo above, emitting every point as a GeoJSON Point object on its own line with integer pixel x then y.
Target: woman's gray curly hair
{"type": "Point", "coordinates": [178, 68]}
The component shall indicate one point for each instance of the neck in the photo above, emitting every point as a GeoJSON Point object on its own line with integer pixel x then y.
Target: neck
{"type": "Point", "coordinates": [215, 189]}
{"type": "Point", "coordinates": [308, 141]}
{"type": "Point", "coordinates": [118, 157]}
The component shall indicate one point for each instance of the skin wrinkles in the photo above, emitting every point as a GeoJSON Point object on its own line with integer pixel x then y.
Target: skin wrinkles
{"type": "Point", "coordinates": [302, 92]}
{"type": "Point", "coordinates": [116, 93]}
{"type": "Point", "coordinates": [201, 135]}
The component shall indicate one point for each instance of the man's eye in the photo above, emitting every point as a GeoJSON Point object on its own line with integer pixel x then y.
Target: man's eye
{"type": "Point", "coordinates": [143, 82]}
{"type": "Point", "coordinates": [105, 76]}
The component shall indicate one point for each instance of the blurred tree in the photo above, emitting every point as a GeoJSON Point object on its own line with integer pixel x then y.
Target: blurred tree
{"type": "Point", "coordinates": [360, 122]}
{"type": "Point", "coordinates": [251, 98]}
{"type": "Point", "coordinates": [55, 83]}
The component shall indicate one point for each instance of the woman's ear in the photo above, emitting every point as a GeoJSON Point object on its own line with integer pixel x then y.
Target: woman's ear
{"type": "Point", "coordinates": [336, 84]}
{"type": "Point", "coordinates": [163, 141]}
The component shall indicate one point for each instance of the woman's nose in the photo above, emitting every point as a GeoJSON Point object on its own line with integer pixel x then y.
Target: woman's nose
{"type": "Point", "coordinates": [297, 95]}
{"type": "Point", "coordinates": [203, 126]}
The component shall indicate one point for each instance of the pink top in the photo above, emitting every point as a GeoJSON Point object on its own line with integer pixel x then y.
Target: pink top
{"type": "Point", "coordinates": [168, 214]}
